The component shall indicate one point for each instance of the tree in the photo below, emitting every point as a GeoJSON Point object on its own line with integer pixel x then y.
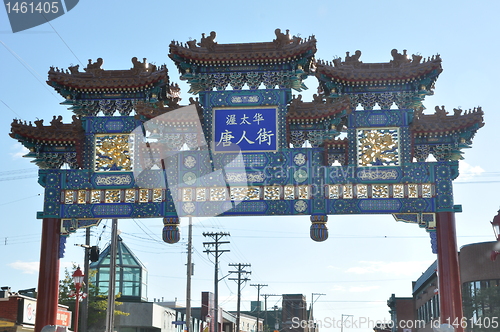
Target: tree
{"type": "Point", "coordinates": [482, 309]}
{"type": "Point", "coordinates": [98, 303]}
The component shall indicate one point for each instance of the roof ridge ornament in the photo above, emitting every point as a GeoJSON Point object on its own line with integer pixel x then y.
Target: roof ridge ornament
{"type": "Point", "coordinates": [285, 39]}
{"type": "Point", "coordinates": [398, 59]}
{"type": "Point", "coordinates": [142, 67]}
{"type": "Point", "coordinates": [207, 42]}
{"type": "Point", "coordinates": [95, 67]}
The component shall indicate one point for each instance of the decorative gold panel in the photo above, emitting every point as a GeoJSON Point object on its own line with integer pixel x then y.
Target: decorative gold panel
{"type": "Point", "coordinates": [95, 197]}
{"type": "Point", "coordinates": [239, 193]}
{"type": "Point", "coordinates": [187, 194]}
{"type": "Point", "coordinates": [129, 195]}
{"type": "Point", "coordinates": [289, 192]}
{"type": "Point", "coordinates": [218, 194]}
{"type": "Point", "coordinates": [271, 193]}
{"type": "Point", "coordinates": [362, 190]}
{"type": "Point", "coordinates": [201, 194]}
{"type": "Point", "coordinates": [380, 191]}
{"type": "Point", "coordinates": [69, 196]}
{"type": "Point", "coordinates": [333, 191]}
{"type": "Point", "coordinates": [426, 190]}
{"type": "Point", "coordinates": [378, 147]}
{"type": "Point", "coordinates": [143, 195]}
{"type": "Point", "coordinates": [113, 152]}
{"type": "Point", "coordinates": [303, 192]}
{"type": "Point", "coordinates": [253, 193]}
{"type": "Point", "coordinates": [347, 192]}
{"type": "Point", "coordinates": [157, 195]}
{"type": "Point", "coordinates": [412, 191]}
{"type": "Point", "coordinates": [112, 196]}
{"type": "Point", "coordinates": [398, 191]}
{"type": "Point", "coordinates": [82, 196]}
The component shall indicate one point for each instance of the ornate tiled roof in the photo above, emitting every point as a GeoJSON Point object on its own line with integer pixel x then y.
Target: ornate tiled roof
{"type": "Point", "coordinates": [400, 70]}
{"type": "Point", "coordinates": [141, 76]}
{"type": "Point", "coordinates": [336, 143]}
{"type": "Point", "coordinates": [441, 123]}
{"type": "Point", "coordinates": [317, 110]}
{"type": "Point", "coordinates": [56, 133]}
{"type": "Point", "coordinates": [151, 111]}
{"type": "Point", "coordinates": [284, 48]}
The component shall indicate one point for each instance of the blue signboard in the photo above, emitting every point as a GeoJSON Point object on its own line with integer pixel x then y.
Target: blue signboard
{"type": "Point", "coordinates": [247, 129]}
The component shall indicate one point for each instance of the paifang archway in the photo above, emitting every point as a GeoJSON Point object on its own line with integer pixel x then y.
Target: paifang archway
{"type": "Point", "coordinates": [238, 149]}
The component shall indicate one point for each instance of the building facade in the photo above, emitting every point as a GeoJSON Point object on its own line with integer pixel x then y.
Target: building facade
{"type": "Point", "coordinates": [18, 312]}
{"type": "Point", "coordinates": [480, 279]}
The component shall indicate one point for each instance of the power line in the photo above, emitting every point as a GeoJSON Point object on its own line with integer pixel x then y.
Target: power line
{"type": "Point", "coordinates": [32, 71]}
{"type": "Point", "coordinates": [21, 199]}
{"type": "Point", "coordinates": [69, 48]}
{"type": "Point", "coordinates": [10, 109]}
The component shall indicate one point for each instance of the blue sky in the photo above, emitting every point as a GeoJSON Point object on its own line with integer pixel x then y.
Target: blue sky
{"type": "Point", "coordinates": [366, 258]}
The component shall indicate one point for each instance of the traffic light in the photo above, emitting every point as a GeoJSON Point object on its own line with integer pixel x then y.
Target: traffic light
{"type": "Point", "coordinates": [94, 253]}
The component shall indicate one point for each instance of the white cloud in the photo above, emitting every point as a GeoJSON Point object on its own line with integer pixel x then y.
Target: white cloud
{"type": "Point", "coordinates": [467, 171]}
{"type": "Point", "coordinates": [26, 267]}
{"type": "Point", "coordinates": [406, 268]}
{"type": "Point", "coordinates": [20, 151]}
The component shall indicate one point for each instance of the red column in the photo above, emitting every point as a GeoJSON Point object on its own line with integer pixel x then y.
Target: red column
{"type": "Point", "coordinates": [48, 279]}
{"type": "Point", "coordinates": [450, 287]}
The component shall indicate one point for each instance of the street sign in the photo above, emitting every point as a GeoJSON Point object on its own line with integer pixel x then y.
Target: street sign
{"type": "Point", "coordinates": [178, 322]}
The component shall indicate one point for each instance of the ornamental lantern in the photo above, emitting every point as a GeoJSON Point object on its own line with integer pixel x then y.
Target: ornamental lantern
{"type": "Point", "coordinates": [78, 280]}
{"type": "Point", "coordinates": [496, 225]}
{"type": "Point", "coordinates": [496, 229]}
{"type": "Point", "coordinates": [78, 277]}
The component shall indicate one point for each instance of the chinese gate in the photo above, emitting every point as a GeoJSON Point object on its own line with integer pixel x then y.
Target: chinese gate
{"type": "Point", "coordinates": [247, 147]}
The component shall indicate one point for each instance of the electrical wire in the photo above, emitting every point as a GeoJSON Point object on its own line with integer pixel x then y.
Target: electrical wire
{"type": "Point", "coordinates": [64, 42]}
{"type": "Point", "coordinates": [21, 199]}
{"type": "Point", "coordinates": [18, 116]}
{"type": "Point", "coordinates": [31, 71]}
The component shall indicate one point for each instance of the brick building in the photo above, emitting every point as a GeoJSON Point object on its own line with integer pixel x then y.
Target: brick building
{"type": "Point", "coordinates": [18, 312]}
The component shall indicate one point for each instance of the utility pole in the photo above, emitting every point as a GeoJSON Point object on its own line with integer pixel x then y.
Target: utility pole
{"type": "Point", "coordinates": [239, 281]}
{"type": "Point", "coordinates": [91, 254]}
{"type": "Point", "coordinates": [311, 315]}
{"type": "Point", "coordinates": [86, 266]}
{"type": "Point", "coordinates": [213, 248]}
{"type": "Point", "coordinates": [276, 322]}
{"type": "Point", "coordinates": [265, 308]}
{"type": "Point", "coordinates": [110, 313]}
{"type": "Point", "coordinates": [259, 286]}
{"type": "Point", "coordinates": [189, 274]}
{"type": "Point", "coordinates": [342, 319]}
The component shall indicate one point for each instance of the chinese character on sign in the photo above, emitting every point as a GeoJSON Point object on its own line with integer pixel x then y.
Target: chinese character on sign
{"type": "Point", "coordinates": [264, 136]}
{"type": "Point", "coordinates": [258, 118]}
{"type": "Point", "coordinates": [231, 119]}
{"type": "Point", "coordinates": [245, 129]}
{"type": "Point", "coordinates": [243, 137]}
{"type": "Point", "coordinates": [244, 119]}
{"type": "Point", "coordinates": [225, 138]}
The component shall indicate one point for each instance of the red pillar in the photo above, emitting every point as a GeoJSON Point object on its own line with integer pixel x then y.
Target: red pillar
{"type": "Point", "coordinates": [48, 279]}
{"type": "Point", "coordinates": [450, 287]}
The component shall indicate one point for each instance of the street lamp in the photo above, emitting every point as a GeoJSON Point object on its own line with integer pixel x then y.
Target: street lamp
{"type": "Point", "coordinates": [496, 229]}
{"type": "Point", "coordinates": [496, 225]}
{"type": "Point", "coordinates": [78, 280]}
